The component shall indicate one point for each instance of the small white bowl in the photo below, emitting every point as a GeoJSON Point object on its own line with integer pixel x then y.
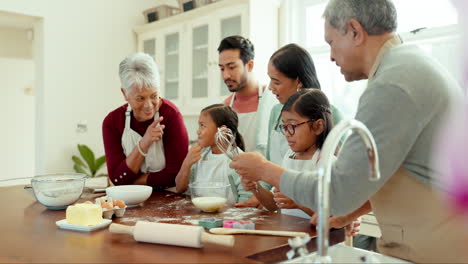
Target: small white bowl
{"type": "Point", "coordinates": [132, 195]}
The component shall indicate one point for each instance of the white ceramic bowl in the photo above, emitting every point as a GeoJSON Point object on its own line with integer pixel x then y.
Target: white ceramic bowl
{"type": "Point", "coordinates": [131, 194]}
{"type": "Point", "coordinates": [57, 191]}
{"type": "Point", "coordinates": [209, 196]}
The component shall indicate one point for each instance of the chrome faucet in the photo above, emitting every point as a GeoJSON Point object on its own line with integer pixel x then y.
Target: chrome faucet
{"type": "Point", "coordinates": [324, 175]}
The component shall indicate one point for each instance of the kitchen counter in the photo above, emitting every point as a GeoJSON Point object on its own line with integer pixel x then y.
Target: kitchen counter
{"type": "Point", "coordinates": [29, 234]}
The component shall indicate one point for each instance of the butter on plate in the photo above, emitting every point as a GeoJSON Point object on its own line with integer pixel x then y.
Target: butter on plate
{"type": "Point", "coordinates": [84, 214]}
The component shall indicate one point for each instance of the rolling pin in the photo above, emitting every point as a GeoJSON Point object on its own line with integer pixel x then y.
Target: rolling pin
{"type": "Point", "coordinates": [171, 234]}
{"type": "Point", "coordinates": [232, 231]}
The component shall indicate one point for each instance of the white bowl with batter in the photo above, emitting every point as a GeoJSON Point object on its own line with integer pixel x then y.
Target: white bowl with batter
{"type": "Point", "coordinates": [209, 196]}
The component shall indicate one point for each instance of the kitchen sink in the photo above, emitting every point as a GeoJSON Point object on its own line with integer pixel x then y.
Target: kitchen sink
{"type": "Point", "coordinates": [344, 254]}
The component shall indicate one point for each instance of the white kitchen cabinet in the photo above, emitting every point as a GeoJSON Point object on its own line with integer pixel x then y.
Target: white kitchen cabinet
{"type": "Point", "coordinates": [185, 48]}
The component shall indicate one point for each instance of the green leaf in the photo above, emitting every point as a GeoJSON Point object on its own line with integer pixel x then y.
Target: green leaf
{"type": "Point", "coordinates": [80, 169]}
{"type": "Point", "coordinates": [98, 164]}
{"type": "Point", "coordinates": [78, 161]}
{"type": "Point", "coordinates": [87, 155]}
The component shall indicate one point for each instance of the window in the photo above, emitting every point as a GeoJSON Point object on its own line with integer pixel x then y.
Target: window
{"type": "Point", "coordinates": [432, 25]}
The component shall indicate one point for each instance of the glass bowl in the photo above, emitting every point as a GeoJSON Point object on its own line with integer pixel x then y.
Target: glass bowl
{"type": "Point", "coordinates": [57, 191]}
{"type": "Point", "coordinates": [209, 196]}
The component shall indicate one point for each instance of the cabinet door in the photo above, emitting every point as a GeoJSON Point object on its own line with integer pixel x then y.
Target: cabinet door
{"type": "Point", "coordinates": [228, 27]}
{"type": "Point", "coordinates": [200, 86]}
{"type": "Point", "coordinates": [168, 58]}
{"type": "Point", "coordinates": [171, 66]}
{"type": "Point", "coordinates": [149, 46]}
{"type": "Point", "coordinates": [200, 51]}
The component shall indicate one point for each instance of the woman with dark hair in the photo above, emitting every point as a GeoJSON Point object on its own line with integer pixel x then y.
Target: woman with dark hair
{"type": "Point", "coordinates": [291, 69]}
{"type": "Point", "coordinates": [205, 162]}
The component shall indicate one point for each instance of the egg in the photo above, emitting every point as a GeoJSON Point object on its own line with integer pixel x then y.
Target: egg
{"type": "Point", "coordinates": [119, 203]}
{"type": "Point", "coordinates": [106, 205]}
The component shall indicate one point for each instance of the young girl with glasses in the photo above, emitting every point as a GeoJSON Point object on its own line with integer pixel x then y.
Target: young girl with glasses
{"type": "Point", "coordinates": [205, 162]}
{"type": "Point", "coordinates": [307, 121]}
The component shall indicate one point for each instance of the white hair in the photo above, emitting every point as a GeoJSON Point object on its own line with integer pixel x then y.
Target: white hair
{"type": "Point", "coordinates": [139, 70]}
{"type": "Point", "coordinates": [376, 16]}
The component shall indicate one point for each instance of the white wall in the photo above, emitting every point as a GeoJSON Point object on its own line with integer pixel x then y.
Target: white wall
{"type": "Point", "coordinates": [79, 44]}
{"type": "Point", "coordinates": [17, 133]}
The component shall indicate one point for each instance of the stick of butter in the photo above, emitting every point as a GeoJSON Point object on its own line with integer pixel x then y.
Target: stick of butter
{"type": "Point", "coordinates": [84, 214]}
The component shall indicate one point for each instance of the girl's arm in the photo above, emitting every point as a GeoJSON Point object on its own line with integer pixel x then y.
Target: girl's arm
{"type": "Point", "coordinates": [183, 177]}
{"type": "Point", "coordinates": [364, 209]}
{"type": "Point", "coordinates": [306, 210]}
{"type": "Point", "coordinates": [342, 221]}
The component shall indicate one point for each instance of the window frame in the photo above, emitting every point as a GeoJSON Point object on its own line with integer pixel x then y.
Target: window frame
{"type": "Point", "coordinates": [297, 11]}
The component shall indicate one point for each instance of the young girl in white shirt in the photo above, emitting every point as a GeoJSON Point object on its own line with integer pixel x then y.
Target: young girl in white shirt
{"type": "Point", "coordinates": [307, 122]}
{"type": "Point", "coordinates": [205, 162]}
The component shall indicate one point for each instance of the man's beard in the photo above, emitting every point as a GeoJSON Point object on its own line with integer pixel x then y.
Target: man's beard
{"type": "Point", "coordinates": [240, 86]}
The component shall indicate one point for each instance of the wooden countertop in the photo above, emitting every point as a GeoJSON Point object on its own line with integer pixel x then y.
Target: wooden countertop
{"type": "Point", "coordinates": [29, 234]}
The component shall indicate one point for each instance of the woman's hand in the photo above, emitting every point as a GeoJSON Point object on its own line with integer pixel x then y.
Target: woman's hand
{"type": "Point", "coordinates": [249, 165]}
{"type": "Point", "coordinates": [283, 202]}
{"type": "Point", "coordinates": [142, 179]}
{"type": "Point", "coordinates": [194, 155]}
{"type": "Point", "coordinates": [154, 133]}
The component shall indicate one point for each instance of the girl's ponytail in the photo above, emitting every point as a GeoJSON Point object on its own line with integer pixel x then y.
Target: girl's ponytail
{"type": "Point", "coordinates": [240, 141]}
{"type": "Point", "coordinates": [224, 115]}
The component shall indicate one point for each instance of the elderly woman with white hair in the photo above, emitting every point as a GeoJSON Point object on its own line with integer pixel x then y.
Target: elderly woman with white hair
{"type": "Point", "coordinates": [145, 140]}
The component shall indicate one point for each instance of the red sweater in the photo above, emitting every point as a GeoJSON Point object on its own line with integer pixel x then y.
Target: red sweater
{"type": "Point", "coordinates": [175, 141]}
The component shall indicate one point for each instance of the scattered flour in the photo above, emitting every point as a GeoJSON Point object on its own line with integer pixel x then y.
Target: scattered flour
{"type": "Point", "coordinates": [149, 219]}
{"type": "Point", "coordinates": [241, 214]}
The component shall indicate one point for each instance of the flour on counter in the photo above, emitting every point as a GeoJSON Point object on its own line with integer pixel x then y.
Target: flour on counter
{"type": "Point", "coordinates": [148, 219]}
{"type": "Point", "coordinates": [241, 214]}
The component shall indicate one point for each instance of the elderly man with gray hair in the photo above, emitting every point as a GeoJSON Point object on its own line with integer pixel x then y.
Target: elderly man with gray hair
{"type": "Point", "coordinates": [407, 97]}
{"type": "Point", "coordinates": [145, 140]}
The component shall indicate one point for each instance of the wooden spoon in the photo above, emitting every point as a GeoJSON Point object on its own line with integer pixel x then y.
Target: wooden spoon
{"type": "Point", "coordinates": [233, 231]}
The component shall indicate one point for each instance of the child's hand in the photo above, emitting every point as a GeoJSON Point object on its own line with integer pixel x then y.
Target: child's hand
{"type": "Point", "coordinates": [194, 154]}
{"type": "Point", "coordinates": [252, 202]}
{"type": "Point", "coordinates": [284, 202]}
{"type": "Point", "coordinates": [353, 228]}
{"type": "Point", "coordinates": [248, 185]}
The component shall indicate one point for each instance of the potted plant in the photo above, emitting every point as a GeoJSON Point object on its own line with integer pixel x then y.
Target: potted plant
{"type": "Point", "coordinates": [89, 165]}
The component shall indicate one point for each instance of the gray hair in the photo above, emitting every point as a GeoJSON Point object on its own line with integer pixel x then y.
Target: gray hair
{"type": "Point", "coordinates": [139, 70]}
{"type": "Point", "coordinates": [376, 16]}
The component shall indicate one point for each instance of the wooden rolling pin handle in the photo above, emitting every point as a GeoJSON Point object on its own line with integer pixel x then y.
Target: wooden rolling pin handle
{"type": "Point", "coordinates": [222, 240]}
{"type": "Point", "coordinates": [121, 229]}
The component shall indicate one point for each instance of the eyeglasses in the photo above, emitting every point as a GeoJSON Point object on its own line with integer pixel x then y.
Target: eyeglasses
{"type": "Point", "coordinates": [291, 129]}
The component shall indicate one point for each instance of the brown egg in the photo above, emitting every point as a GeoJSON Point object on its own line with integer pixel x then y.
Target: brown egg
{"type": "Point", "coordinates": [106, 205]}
{"type": "Point", "coordinates": [119, 203]}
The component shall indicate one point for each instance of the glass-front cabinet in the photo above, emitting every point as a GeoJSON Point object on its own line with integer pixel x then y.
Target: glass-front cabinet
{"type": "Point", "coordinates": [171, 66]}
{"type": "Point", "coordinates": [229, 27]}
{"type": "Point", "coordinates": [200, 62]}
{"type": "Point", "coordinates": [185, 48]}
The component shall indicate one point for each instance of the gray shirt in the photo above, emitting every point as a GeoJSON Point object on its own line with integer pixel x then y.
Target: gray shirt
{"type": "Point", "coordinates": [403, 107]}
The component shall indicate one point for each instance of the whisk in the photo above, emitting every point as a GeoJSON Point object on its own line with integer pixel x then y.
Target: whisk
{"type": "Point", "coordinates": [226, 142]}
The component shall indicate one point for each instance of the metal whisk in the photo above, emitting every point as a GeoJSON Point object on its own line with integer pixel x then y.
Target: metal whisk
{"type": "Point", "coordinates": [226, 142]}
